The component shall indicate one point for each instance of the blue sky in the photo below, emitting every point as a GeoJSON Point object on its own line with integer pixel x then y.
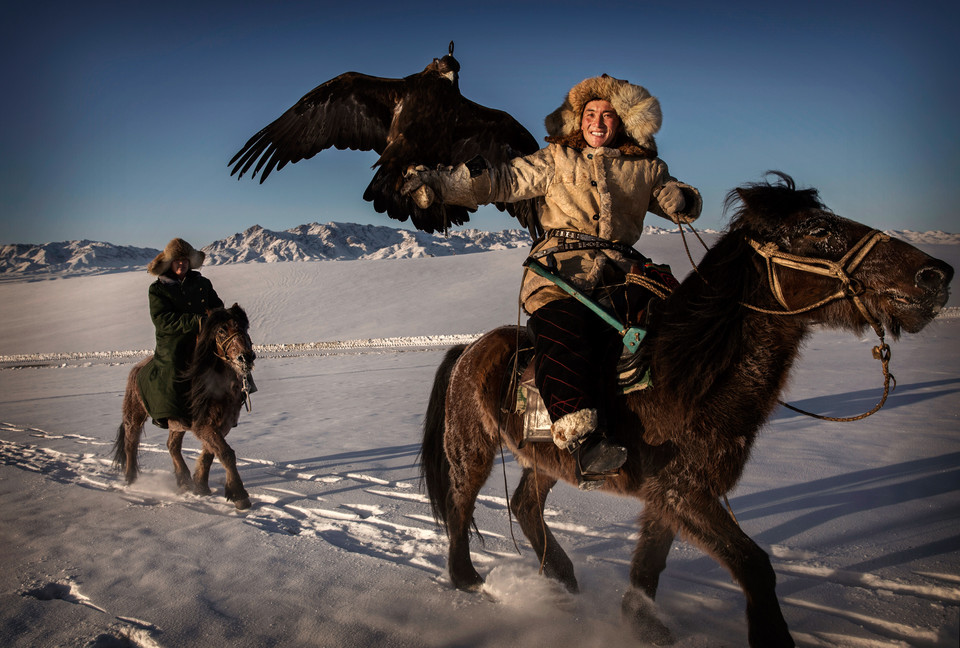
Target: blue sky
{"type": "Point", "coordinates": [118, 118]}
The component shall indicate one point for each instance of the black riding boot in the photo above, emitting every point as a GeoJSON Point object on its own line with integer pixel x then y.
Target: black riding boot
{"type": "Point", "coordinates": [597, 456]}
{"type": "Point", "coordinates": [597, 459]}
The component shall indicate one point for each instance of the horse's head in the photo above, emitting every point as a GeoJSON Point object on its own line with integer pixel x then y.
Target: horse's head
{"type": "Point", "coordinates": [224, 334]}
{"type": "Point", "coordinates": [833, 269]}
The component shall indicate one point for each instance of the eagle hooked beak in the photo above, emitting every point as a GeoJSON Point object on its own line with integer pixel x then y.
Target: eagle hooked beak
{"type": "Point", "coordinates": [449, 66]}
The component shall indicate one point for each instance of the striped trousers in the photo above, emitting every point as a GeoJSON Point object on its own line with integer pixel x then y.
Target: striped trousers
{"type": "Point", "coordinates": [576, 358]}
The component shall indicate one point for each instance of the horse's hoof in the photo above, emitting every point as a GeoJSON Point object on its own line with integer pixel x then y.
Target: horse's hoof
{"type": "Point", "coordinates": [242, 504]}
{"type": "Point", "coordinates": [639, 611]}
{"type": "Point", "coordinates": [468, 584]}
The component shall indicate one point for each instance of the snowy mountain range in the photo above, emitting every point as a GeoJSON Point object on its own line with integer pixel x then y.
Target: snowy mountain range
{"type": "Point", "coordinates": [71, 257]}
{"type": "Point", "coordinates": [348, 241]}
{"type": "Point", "coordinates": [311, 242]}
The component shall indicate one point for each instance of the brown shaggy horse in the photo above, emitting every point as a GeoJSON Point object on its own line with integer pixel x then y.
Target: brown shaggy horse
{"type": "Point", "coordinates": [219, 376]}
{"type": "Point", "coordinates": [718, 366]}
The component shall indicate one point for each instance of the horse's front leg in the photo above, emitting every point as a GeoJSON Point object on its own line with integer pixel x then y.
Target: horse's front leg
{"type": "Point", "coordinates": [201, 472]}
{"type": "Point", "coordinates": [214, 444]}
{"type": "Point", "coordinates": [705, 521]}
{"type": "Point", "coordinates": [649, 561]}
{"type": "Point", "coordinates": [527, 504]}
{"type": "Point", "coordinates": [174, 446]}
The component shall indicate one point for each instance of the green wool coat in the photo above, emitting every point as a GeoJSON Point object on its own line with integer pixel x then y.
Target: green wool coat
{"type": "Point", "coordinates": [176, 308]}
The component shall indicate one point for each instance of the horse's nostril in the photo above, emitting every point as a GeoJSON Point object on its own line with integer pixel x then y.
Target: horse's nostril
{"type": "Point", "coordinates": [930, 278]}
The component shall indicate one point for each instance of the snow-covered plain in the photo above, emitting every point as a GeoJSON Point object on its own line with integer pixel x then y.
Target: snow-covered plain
{"type": "Point", "coordinates": [862, 520]}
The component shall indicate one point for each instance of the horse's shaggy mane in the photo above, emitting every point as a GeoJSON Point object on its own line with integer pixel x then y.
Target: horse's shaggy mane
{"type": "Point", "coordinates": [206, 361]}
{"type": "Point", "coordinates": [758, 205]}
{"type": "Point", "coordinates": [702, 328]}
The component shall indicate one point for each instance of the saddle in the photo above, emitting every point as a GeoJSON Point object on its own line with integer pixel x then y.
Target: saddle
{"type": "Point", "coordinates": [631, 376]}
{"type": "Point", "coordinates": [653, 282]}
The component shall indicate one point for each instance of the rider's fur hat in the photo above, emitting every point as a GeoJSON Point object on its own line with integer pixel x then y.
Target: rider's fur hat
{"type": "Point", "coordinates": [637, 109]}
{"type": "Point", "coordinates": [176, 249]}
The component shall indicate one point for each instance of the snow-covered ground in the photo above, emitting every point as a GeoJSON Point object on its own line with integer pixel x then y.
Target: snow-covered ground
{"type": "Point", "coordinates": [862, 520]}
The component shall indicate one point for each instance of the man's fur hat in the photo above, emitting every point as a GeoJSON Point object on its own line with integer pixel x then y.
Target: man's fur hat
{"type": "Point", "coordinates": [637, 109]}
{"type": "Point", "coordinates": [176, 249]}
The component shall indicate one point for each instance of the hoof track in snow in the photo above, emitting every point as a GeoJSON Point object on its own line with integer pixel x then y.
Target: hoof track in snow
{"type": "Point", "coordinates": [389, 519]}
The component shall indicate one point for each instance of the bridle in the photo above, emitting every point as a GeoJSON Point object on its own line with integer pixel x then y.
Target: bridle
{"type": "Point", "coordinates": [850, 288]}
{"type": "Point", "coordinates": [222, 343]}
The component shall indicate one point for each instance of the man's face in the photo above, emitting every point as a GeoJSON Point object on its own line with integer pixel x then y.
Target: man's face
{"type": "Point", "coordinates": [600, 123]}
{"type": "Point", "coordinates": [180, 267]}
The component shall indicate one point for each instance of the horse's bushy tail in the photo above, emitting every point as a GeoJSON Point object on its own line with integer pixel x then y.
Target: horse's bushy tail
{"type": "Point", "coordinates": [134, 416]}
{"type": "Point", "coordinates": [434, 466]}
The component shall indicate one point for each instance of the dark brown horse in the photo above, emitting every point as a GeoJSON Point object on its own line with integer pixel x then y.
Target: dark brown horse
{"type": "Point", "coordinates": [219, 376]}
{"type": "Point", "coordinates": [718, 366]}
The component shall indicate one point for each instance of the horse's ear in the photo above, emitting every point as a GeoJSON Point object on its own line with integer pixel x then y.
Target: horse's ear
{"type": "Point", "coordinates": [741, 195]}
{"type": "Point", "coordinates": [746, 208]}
{"type": "Point", "coordinates": [240, 315]}
{"type": "Point", "coordinates": [750, 199]}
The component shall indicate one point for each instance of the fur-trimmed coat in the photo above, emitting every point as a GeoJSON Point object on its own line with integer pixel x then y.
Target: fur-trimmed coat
{"type": "Point", "coordinates": [176, 308]}
{"type": "Point", "coordinates": [604, 192]}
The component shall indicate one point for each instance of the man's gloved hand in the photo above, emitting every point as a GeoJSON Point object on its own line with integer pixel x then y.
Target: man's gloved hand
{"type": "Point", "coordinates": [671, 199]}
{"type": "Point", "coordinates": [450, 185]}
{"type": "Point", "coordinates": [417, 181]}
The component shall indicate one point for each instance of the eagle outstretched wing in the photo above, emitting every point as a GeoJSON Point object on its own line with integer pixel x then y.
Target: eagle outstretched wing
{"type": "Point", "coordinates": [421, 119]}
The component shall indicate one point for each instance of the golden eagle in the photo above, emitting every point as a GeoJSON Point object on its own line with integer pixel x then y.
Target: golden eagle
{"type": "Point", "coordinates": [421, 119]}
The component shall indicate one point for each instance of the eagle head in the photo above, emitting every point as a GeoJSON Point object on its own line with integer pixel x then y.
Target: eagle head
{"type": "Point", "coordinates": [447, 67]}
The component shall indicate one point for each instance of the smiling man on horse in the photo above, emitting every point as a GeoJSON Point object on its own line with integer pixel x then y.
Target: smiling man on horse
{"type": "Point", "coordinates": [597, 179]}
{"type": "Point", "coordinates": [179, 301]}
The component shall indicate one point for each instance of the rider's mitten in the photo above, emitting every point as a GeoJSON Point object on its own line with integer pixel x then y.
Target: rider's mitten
{"type": "Point", "coordinates": [671, 198]}
{"type": "Point", "coordinates": [451, 185]}
{"type": "Point", "coordinates": [681, 203]}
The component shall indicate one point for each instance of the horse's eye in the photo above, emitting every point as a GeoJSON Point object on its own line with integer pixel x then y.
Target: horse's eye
{"type": "Point", "coordinates": [819, 232]}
